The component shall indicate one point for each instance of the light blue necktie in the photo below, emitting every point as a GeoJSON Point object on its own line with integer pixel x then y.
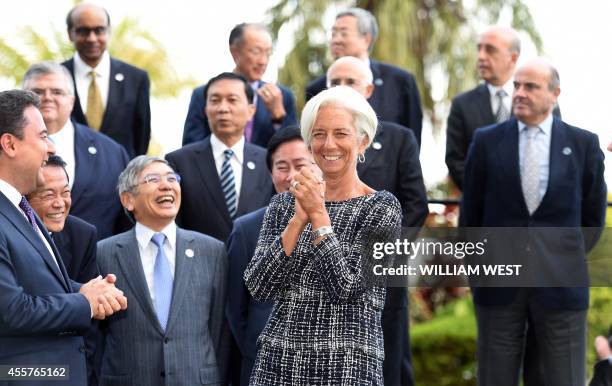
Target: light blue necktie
{"type": "Point", "coordinates": [228, 185]}
{"type": "Point", "coordinates": [162, 281]}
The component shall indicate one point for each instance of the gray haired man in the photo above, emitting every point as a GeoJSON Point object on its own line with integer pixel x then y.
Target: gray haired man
{"type": "Point", "coordinates": [175, 334]}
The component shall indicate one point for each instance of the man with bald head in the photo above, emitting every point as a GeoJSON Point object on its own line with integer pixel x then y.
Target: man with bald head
{"type": "Point", "coordinates": [250, 45]}
{"type": "Point", "coordinates": [498, 50]}
{"type": "Point", "coordinates": [111, 96]}
{"type": "Point", "coordinates": [529, 172]}
{"type": "Point", "coordinates": [392, 164]}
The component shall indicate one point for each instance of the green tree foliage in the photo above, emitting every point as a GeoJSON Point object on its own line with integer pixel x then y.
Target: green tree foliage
{"type": "Point", "coordinates": [129, 42]}
{"type": "Point", "coordinates": [435, 39]}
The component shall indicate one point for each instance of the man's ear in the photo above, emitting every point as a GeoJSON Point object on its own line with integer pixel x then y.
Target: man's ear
{"type": "Point", "coordinates": [369, 91]}
{"type": "Point", "coordinates": [127, 201]}
{"type": "Point", "coordinates": [7, 144]}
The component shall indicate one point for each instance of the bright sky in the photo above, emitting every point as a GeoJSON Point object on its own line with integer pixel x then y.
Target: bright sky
{"type": "Point", "coordinates": [196, 39]}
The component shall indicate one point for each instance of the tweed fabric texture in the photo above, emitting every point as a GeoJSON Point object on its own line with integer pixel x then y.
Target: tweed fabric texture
{"type": "Point", "coordinates": [325, 327]}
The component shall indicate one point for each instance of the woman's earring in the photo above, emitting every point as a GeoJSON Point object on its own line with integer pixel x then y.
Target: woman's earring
{"type": "Point", "coordinates": [361, 158]}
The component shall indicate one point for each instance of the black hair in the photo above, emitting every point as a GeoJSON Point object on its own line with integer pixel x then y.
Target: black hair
{"type": "Point", "coordinates": [57, 161]}
{"type": "Point", "coordinates": [282, 135]}
{"type": "Point", "coordinates": [232, 76]}
{"type": "Point", "coordinates": [12, 107]}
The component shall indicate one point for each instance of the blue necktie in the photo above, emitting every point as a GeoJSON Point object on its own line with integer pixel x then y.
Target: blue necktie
{"type": "Point", "coordinates": [228, 185]}
{"type": "Point", "coordinates": [162, 281]}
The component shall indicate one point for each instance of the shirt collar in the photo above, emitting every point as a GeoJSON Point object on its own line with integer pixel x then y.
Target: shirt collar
{"type": "Point", "coordinates": [219, 147]}
{"type": "Point", "coordinates": [64, 134]}
{"type": "Point", "coordinates": [10, 192]}
{"type": "Point", "coordinates": [144, 234]}
{"type": "Point", "coordinates": [82, 69]}
{"type": "Point", "coordinates": [545, 126]}
{"type": "Point", "coordinates": [508, 87]}
{"type": "Point", "coordinates": [255, 84]}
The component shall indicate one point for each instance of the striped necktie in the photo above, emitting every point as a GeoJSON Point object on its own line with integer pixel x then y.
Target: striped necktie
{"type": "Point", "coordinates": [29, 212]}
{"type": "Point", "coordinates": [162, 281]}
{"type": "Point", "coordinates": [228, 185]}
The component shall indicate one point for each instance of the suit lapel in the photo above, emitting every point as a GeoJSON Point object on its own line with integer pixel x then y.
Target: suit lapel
{"type": "Point", "coordinates": [376, 97]}
{"type": "Point", "coordinates": [484, 99]}
{"type": "Point", "coordinates": [77, 111]}
{"type": "Point", "coordinates": [85, 153]}
{"type": "Point", "coordinates": [558, 159]}
{"type": "Point", "coordinates": [58, 257]}
{"type": "Point", "coordinates": [250, 179]}
{"type": "Point", "coordinates": [260, 118]}
{"type": "Point", "coordinates": [128, 256]}
{"type": "Point", "coordinates": [182, 275]}
{"type": "Point", "coordinates": [115, 91]}
{"type": "Point", "coordinates": [24, 227]}
{"type": "Point", "coordinates": [210, 179]}
{"type": "Point", "coordinates": [507, 150]}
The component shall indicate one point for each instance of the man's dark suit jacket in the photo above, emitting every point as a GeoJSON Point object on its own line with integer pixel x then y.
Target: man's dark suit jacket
{"type": "Point", "coordinates": [395, 98]}
{"type": "Point", "coordinates": [42, 315]}
{"type": "Point", "coordinates": [127, 116]}
{"type": "Point", "coordinates": [99, 161]}
{"type": "Point", "coordinates": [602, 374]}
{"type": "Point", "coordinates": [392, 164]}
{"type": "Point", "coordinates": [77, 246]}
{"type": "Point", "coordinates": [575, 197]}
{"type": "Point", "coordinates": [203, 207]}
{"type": "Point", "coordinates": [469, 111]}
{"type": "Point", "coordinates": [246, 316]}
{"type": "Point", "coordinates": [197, 128]}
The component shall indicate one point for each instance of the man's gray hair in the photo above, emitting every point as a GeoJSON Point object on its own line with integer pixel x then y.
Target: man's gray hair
{"type": "Point", "coordinates": [46, 68]}
{"type": "Point", "coordinates": [128, 179]}
{"type": "Point", "coordinates": [366, 23]}
{"type": "Point", "coordinates": [555, 80]}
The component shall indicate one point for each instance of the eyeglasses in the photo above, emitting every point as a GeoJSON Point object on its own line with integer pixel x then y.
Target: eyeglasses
{"type": "Point", "coordinates": [86, 31]}
{"type": "Point", "coordinates": [258, 52]}
{"type": "Point", "coordinates": [156, 179]}
{"type": "Point", "coordinates": [56, 92]}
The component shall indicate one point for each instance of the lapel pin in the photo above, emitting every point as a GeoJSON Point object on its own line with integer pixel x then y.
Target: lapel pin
{"type": "Point", "coordinates": [251, 165]}
{"type": "Point", "coordinates": [119, 77]}
{"type": "Point", "coordinates": [189, 252]}
{"type": "Point", "coordinates": [92, 150]}
{"type": "Point", "coordinates": [567, 151]}
{"type": "Point", "coordinates": [378, 82]}
{"type": "Point", "coordinates": [377, 145]}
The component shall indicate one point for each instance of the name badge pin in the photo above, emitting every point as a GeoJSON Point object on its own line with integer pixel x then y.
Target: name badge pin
{"type": "Point", "coordinates": [377, 145]}
{"type": "Point", "coordinates": [567, 151]}
{"type": "Point", "coordinates": [92, 150]}
{"type": "Point", "coordinates": [189, 252]}
{"type": "Point", "coordinates": [251, 165]}
{"type": "Point", "coordinates": [119, 77]}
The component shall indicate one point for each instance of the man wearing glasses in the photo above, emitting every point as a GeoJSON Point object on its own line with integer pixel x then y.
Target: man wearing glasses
{"type": "Point", "coordinates": [251, 48]}
{"type": "Point", "coordinates": [111, 96]}
{"type": "Point", "coordinates": [93, 160]}
{"type": "Point", "coordinates": [175, 333]}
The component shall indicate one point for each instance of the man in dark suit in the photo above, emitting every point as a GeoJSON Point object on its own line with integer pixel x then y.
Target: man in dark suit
{"type": "Point", "coordinates": [223, 175]}
{"type": "Point", "coordinates": [75, 239]}
{"type": "Point", "coordinates": [498, 50]}
{"type": "Point", "coordinates": [175, 334]}
{"type": "Point", "coordinates": [94, 161]}
{"type": "Point", "coordinates": [287, 155]}
{"type": "Point", "coordinates": [251, 48]}
{"type": "Point", "coordinates": [391, 163]}
{"type": "Point", "coordinates": [529, 172]}
{"type": "Point", "coordinates": [42, 311]}
{"type": "Point", "coordinates": [111, 96]}
{"type": "Point", "coordinates": [396, 96]}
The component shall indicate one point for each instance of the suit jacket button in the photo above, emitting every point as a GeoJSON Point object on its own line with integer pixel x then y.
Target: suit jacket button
{"type": "Point", "coordinates": [166, 340]}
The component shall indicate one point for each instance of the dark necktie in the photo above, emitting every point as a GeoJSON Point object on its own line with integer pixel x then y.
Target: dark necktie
{"type": "Point", "coordinates": [228, 185]}
{"type": "Point", "coordinates": [29, 212]}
